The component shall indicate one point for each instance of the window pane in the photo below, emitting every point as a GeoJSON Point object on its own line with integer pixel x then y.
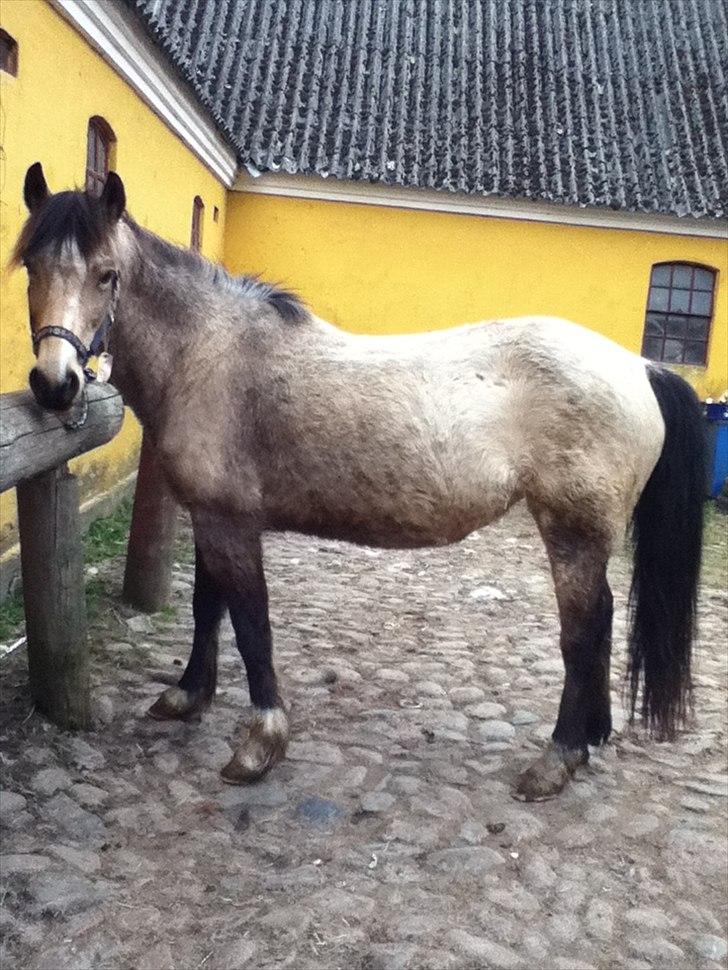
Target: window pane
{"type": "Point", "coordinates": [702, 303]}
{"type": "Point", "coordinates": [676, 326]}
{"type": "Point", "coordinates": [8, 53]}
{"type": "Point", "coordinates": [661, 275]}
{"type": "Point", "coordinates": [694, 352]}
{"type": "Point", "coordinates": [681, 276]}
{"type": "Point", "coordinates": [673, 352]}
{"type": "Point", "coordinates": [658, 298]}
{"type": "Point", "coordinates": [91, 148]}
{"type": "Point", "coordinates": [703, 279]}
{"type": "Point", "coordinates": [680, 300]}
{"type": "Point", "coordinates": [102, 160]}
{"type": "Point", "coordinates": [652, 348]}
{"type": "Point", "coordinates": [654, 325]}
{"type": "Point", "coordinates": [698, 328]}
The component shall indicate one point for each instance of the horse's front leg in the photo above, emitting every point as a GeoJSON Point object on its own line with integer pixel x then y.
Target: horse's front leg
{"type": "Point", "coordinates": [233, 556]}
{"type": "Point", "coordinates": [196, 688]}
{"type": "Point", "coordinates": [578, 564]}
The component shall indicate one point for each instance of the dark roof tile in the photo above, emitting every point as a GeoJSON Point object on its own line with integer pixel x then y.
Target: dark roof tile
{"type": "Point", "coordinates": [614, 103]}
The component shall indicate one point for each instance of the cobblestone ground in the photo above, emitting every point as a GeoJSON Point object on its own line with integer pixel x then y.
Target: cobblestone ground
{"type": "Point", "coordinates": [420, 683]}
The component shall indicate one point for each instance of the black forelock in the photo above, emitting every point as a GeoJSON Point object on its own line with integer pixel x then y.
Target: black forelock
{"type": "Point", "coordinates": [64, 217]}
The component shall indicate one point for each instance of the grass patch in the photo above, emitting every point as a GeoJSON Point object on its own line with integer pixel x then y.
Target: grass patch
{"type": "Point", "coordinates": [95, 591]}
{"type": "Point", "coordinates": [107, 537]}
{"type": "Point", "coordinates": [715, 548]}
{"type": "Point", "coordinates": [12, 617]}
{"type": "Point", "coordinates": [168, 612]}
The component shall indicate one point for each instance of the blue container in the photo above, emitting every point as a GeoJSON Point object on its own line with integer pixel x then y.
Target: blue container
{"type": "Point", "coordinates": [717, 470]}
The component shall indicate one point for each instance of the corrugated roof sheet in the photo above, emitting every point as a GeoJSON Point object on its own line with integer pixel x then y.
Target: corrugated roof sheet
{"type": "Point", "coordinates": [616, 103]}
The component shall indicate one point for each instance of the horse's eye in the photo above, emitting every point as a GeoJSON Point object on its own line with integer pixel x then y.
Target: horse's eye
{"type": "Point", "coordinates": [107, 278]}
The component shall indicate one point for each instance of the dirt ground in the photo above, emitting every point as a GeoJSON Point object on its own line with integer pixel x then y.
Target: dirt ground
{"type": "Point", "coordinates": [419, 683]}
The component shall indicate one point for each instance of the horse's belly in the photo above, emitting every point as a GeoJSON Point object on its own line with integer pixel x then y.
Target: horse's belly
{"type": "Point", "coordinates": [409, 516]}
{"type": "Point", "coordinates": [382, 532]}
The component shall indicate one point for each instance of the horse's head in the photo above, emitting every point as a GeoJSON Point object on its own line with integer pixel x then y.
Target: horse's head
{"type": "Point", "coordinates": [70, 249]}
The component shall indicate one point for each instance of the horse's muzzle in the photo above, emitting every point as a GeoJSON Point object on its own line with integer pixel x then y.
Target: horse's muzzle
{"type": "Point", "coordinates": [51, 395]}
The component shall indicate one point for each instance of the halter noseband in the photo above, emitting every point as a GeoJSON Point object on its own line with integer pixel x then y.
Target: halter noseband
{"type": "Point", "coordinates": [83, 353]}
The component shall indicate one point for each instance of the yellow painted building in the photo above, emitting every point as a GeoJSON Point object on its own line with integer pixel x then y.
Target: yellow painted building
{"type": "Point", "coordinates": [372, 254]}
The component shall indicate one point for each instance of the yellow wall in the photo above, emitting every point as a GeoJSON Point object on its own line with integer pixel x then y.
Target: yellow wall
{"type": "Point", "coordinates": [374, 269]}
{"type": "Point", "coordinates": [44, 115]}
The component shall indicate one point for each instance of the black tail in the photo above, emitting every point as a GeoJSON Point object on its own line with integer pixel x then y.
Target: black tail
{"type": "Point", "coordinates": [667, 536]}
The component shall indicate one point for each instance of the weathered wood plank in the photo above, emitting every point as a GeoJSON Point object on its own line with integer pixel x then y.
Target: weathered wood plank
{"type": "Point", "coordinates": [53, 590]}
{"type": "Point", "coordinates": [148, 573]}
{"type": "Point", "coordinates": [33, 441]}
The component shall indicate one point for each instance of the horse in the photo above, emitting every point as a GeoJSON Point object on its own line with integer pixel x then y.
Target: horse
{"type": "Point", "coordinates": [265, 418]}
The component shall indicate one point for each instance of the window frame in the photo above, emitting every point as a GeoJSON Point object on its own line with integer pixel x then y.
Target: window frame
{"type": "Point", "coordinates": [99, 134]}
{"type": "Point", "coordinates": [670, 315]}
{"type": "Point", "coordinates": [196, 229]}
{"type": "Point", "coordinates": [9, 65]}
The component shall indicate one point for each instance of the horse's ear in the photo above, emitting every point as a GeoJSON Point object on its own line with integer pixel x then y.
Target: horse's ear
{"type": "Point", "coordinates": [113, 197]}
{"type": "Point", "coordinates": [35, 189]}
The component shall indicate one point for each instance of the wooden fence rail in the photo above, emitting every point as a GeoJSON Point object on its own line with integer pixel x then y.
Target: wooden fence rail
{"type": "Point", "coordinates": [34, 449]}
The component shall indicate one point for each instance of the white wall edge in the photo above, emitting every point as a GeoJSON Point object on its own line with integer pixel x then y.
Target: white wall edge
{"type": "Point", "coordinates": [113, 32]}
{"type": "Point", "coordinates": [362, 193]}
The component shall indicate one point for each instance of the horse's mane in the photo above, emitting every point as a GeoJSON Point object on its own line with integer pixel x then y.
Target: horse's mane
{"type": "Point", "coordinates": [286, 303]}
{"type": "Point", "coordinates": [75, 217]}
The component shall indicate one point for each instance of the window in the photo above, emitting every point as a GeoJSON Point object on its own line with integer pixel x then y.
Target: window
{"type": "Point", "coordinates": [99, 147]}
{"type": "Point", "coordinates": [679, 310]}
{"type": "Point", "coordinates": [198, 212]}
{"type": "Point", "coordinates": [8, 53]}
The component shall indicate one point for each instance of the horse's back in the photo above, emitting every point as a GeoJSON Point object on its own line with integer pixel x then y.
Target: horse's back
{"type": "Point", "coordinates": [491, 412]}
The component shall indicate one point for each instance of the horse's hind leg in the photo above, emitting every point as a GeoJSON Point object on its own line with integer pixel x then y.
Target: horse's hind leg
{"type": "Point", "coordinates": [233, 556]}
{"type": "Point", "coordinates": [578, 563]}
{"type": "Point", "coordinates": [197, 684]}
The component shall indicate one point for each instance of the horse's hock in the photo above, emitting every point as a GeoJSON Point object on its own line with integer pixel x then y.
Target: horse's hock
{"type": "Point", "coordinates": [34, 449]}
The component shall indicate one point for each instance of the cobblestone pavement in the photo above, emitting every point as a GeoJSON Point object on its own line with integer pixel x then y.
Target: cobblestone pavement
{"type": "Point", "coordinates": [420, 683]}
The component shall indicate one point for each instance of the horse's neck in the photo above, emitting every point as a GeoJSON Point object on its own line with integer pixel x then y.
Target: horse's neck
{"type": "Point", "coordinates": [145, 341]}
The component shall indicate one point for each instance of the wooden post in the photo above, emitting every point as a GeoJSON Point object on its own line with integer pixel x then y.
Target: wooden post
{"type": "Point", "coordinates": [148, 574]}
{"type": "Point", "coordinates": [53, 590]}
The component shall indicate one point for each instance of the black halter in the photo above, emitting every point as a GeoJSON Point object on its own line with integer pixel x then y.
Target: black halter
{"type": "Point", "coordinates": [83, 353]}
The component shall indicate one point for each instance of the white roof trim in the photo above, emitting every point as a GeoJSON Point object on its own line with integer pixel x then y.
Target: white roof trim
{"type": "Point", "coordinates": [114, 33]}
{"type": "Point", "coordinates": [363, 193]}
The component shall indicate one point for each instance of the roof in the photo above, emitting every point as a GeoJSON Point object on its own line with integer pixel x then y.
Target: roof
{"type": "Point", "coordinates": [612, 103]}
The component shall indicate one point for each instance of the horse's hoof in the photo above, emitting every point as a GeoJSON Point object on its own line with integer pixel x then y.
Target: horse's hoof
{"type": "Point", "coordinates": [264, 747]}
{"type": "Point", "coordinates": [548, 775]}
{"type": "Point", "coordinates": [176, 704]}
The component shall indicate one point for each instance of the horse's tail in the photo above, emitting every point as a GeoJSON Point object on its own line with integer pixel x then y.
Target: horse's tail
{"type": "Point", "coordinates": [667, 537]}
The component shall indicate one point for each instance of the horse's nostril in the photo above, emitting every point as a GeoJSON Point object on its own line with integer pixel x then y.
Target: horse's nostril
{"type": "Point", "coordinates": [38, 385]}
{"type": "Point", "coordinates": [69, 388]}
{"type": "Point", "coordinates": [51, 396]}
